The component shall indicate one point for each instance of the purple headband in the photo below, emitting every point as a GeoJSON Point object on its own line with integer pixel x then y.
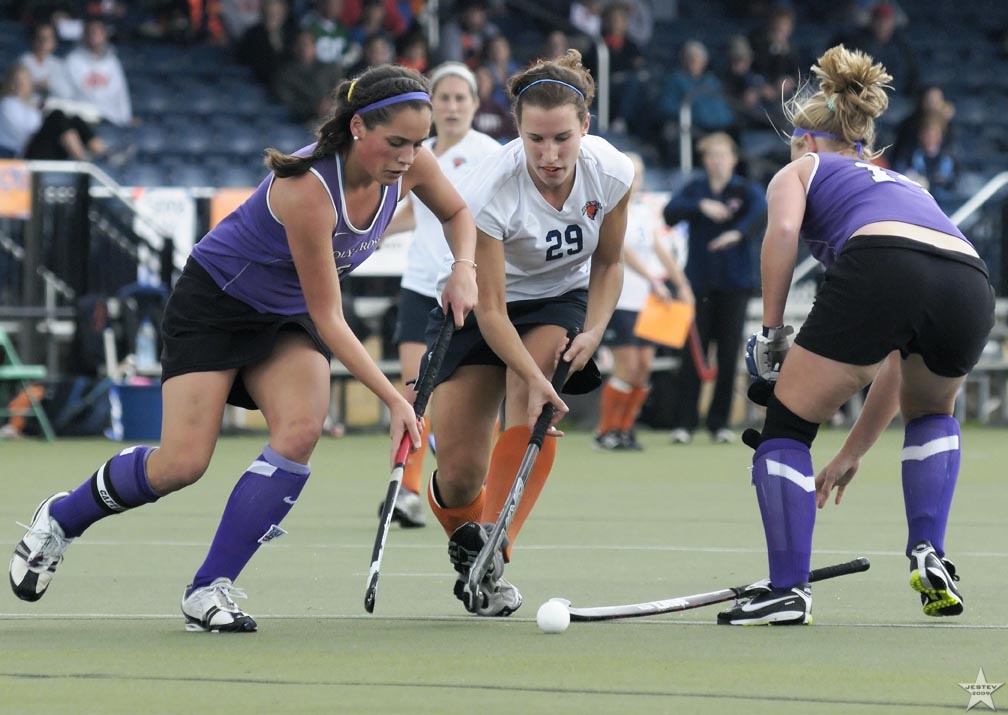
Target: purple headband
{"type": "Point", "coordinates": [395, 99]}
{"type": "Point", "coordinates": [798, 132]}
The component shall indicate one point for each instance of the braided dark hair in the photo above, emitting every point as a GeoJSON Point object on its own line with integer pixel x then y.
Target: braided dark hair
{"type": "Point", "coordinates": [333, 136]}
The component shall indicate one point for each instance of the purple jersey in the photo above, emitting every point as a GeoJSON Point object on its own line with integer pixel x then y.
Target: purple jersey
{"type": "Point", "coordinates": [247, 253]}
{"type": "Point", "coordinates": [846, 193]}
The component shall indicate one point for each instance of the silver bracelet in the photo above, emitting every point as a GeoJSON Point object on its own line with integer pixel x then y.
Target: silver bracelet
{"type": "Point", "coordinates": [464, 260]}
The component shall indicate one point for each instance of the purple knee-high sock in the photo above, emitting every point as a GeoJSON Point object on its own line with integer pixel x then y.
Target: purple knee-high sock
{"type": "Point", "coordinates": [930, 471]}
{"type": "Point", "coordinates": [785, 488]}
{"type": "Point", "coordinates": [119, 484]}
{"type": "Point", "coordinates": [258, 503]}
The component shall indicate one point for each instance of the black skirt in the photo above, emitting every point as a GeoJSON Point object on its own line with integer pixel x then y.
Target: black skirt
{"type": "Point", "coordinates": [206, 330]}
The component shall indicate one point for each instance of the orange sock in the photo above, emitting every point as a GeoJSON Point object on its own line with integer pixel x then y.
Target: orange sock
{"type": "Point", "coordinates": [22, 404]}
{"type": "Point", "coordinates": [507, 458]}
{"type": "Point", "coordinates": [414, 463]}
{"type": "Point", "coordinates": [452, 518]}
{"type": "Point", "coordinates": [633, 407]}
{"type": "Point", "coordinates": [612, 405]}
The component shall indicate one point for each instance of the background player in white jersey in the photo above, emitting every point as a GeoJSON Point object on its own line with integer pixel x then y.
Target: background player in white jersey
{"type": "Point", "coordinates": [550, 201]}
{"type": "Point", "coordinates": [648, 264]}
{"type": "Point", "coordinates": [458, 148]}
{"type": "Point", "coordinates": [906, 306]}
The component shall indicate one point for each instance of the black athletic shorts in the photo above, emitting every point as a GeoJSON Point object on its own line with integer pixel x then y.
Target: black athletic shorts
{"type": "Point", "coordinates": [620, 331]}
{"type": "Point", "coordinates": [468, 346]}
{"type": "Point", "coordinates": [888, 293]}
{"type": "Point", "coordinates": [411, 320]}
{"type": "Point", "coordinates": [205, 329]}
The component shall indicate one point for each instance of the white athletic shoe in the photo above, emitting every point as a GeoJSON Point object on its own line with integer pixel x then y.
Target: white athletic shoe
{"type": "Point", "coordinates": [680, 436]}
{"type": "Point", "coordinates": [38, 553]}
{"type": "Point", "coordinates": [408, 511]}
{"type": "Point", "coordinates": [211, 608]}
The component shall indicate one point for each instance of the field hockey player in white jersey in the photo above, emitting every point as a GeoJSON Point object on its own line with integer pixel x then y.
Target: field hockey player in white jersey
{"type": "Point", "coordinates": [649, 264]}
{"type": "Point", "coordinates": [547, 203]}
{"type": "Point", "coordinates": [458, 148]}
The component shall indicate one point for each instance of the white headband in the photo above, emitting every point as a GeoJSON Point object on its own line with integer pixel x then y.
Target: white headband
{"type": "Point", "coordinates": [454, 69]}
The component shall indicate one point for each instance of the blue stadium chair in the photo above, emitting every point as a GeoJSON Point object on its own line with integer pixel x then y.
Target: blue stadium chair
{"type": "Point", "coordinates": [288, 137]}
{"type": "Point", "coordinates": [239, 139]}
{"type": "Point", "coordinates": [143, 174]}
{"type": "Point", "coordinates": [190, 176]}
{"type": "Point", "coordinates": [152, 98]}
{"type": "Point", "coordinates": [150, 137]}
{"type": "Point", "coordinates": [239, 175]}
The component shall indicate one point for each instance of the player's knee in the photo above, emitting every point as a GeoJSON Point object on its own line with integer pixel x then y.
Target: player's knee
{"type": "Point", "coordinates": [782, 423]}
{"type": "Point", "coordinates": [297, 441]}
{"type": "Point", "coordinates": [176, 470]}
{"type": "Point", "coordinates": [458, 482]}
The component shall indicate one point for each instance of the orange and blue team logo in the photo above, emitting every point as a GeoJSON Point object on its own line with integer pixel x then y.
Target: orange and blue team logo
{"type": "Point", "coordinates": [458, 161]}
{"type": "Point", "coordinates": [591, 209]}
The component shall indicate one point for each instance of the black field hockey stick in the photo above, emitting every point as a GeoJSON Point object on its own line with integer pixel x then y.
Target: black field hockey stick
{"type": "Point", "coordinates": [424, 387]}
{"type": "Point", "coordinates": [481, 564]}
{"type": "Point", "coordinates": [685, 603]}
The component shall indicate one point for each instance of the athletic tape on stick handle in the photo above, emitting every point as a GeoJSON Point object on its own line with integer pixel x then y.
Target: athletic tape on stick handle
{"type": "Point", "coordinates": [685, 603]}
{"type": "Point", "coordinates": [482, 562]}
{"type": "Point", "coordinates": [425, 386]}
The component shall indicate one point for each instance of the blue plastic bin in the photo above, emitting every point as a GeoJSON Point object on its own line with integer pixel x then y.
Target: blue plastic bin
{"type": "Point", "coordinates": [136, 413]}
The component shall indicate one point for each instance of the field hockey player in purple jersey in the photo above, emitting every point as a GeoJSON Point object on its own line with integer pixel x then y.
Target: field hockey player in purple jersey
{"type": "Point", "coordinates": [906, 306]}
{"type": "Point", "coordinates": [254, 320]}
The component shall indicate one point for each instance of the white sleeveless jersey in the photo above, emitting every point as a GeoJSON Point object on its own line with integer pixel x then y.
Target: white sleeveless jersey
{"type": "Point", "coordinates": [428, 253]}
{"type": "Point", "coordinates": [547, 251]}
{"type": "Point", "coordinates": [642, 224]}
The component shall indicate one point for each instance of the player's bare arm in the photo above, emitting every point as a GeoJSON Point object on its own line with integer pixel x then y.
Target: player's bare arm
{"type": "Point", "coordinates": [786, 202]}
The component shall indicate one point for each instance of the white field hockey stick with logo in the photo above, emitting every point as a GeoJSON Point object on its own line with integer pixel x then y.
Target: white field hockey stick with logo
{"type": "Point", "coordinates": [492, 545]}
{"type": "Point", "coordinates": [424, 387]}
{"type": "Point", "coordinates": [685, 603]}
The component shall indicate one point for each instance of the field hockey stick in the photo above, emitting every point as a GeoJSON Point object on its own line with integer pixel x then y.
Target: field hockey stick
{"type": "Point", "coordinates": [424, 387]}
{"type": "Point", "coordinates": [704, 371]}
{"type": "Point", "coordinates": [482, 562]}
{"type": "Point", "coordinates": [685, 603]}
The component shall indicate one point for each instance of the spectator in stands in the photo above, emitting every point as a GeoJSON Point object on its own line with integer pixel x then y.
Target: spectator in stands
{"type": "Point", "coordinates": [333, 42]}
{"type": "Point", "coordinates": [556, 45]}
{"type": "Point", "coordinates": [370, 21]}
{"type": "Point", "coordinates": [724, 212]}
{"type": "Point", "coordinates": [626, 62]}
{"type": "Point", "coordinates": [266, 44]}
{"type": "Point", "coordinates": [239, 16]}
{"type": "Point", "coordinates": [695, 84]}
{"type": "Point", "coordinates": [931, 163]}
{"type": "Point", "coordinates": [931, 101]}
{"type": "Point", "coordinates": [378, 50]}
{"type": "Point", "coordinates": [26, 132]}
{"type": "Point", "coordinates": [747, 90]}
{"type": "Point", "coordinates": [586, 16]}
{"type": "Point", "coordinates": [20, 116]}
{"type": "Point", "coordinates": [774, 54]}
{"type": "Point", "coordinates": [413, 52]}
{"type": "Point", "coordinates": [640, 23]}
{"type": "Point", "coordinates": [367, 17]}
{"type": "Point", "coordinates": [303, 83]}
{"type": "Point", "coordinates": [887, 45]}
{"type": "Point", "coordinates": [94, 75]}
{"type": "Point", "coordinates": [500, 65]}
{"type": "Point", "coordinates": [46, 69]}
{"type": "Point", "coordinates": [492, 117]}
{"type": "Point", "coordinates": [463, 39]}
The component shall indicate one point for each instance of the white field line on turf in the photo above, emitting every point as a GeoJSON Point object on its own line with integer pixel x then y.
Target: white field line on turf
{"type": "Point", "coordinates": [657, 620]}
{"type": "Point", "coordinates": [551, 547]}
